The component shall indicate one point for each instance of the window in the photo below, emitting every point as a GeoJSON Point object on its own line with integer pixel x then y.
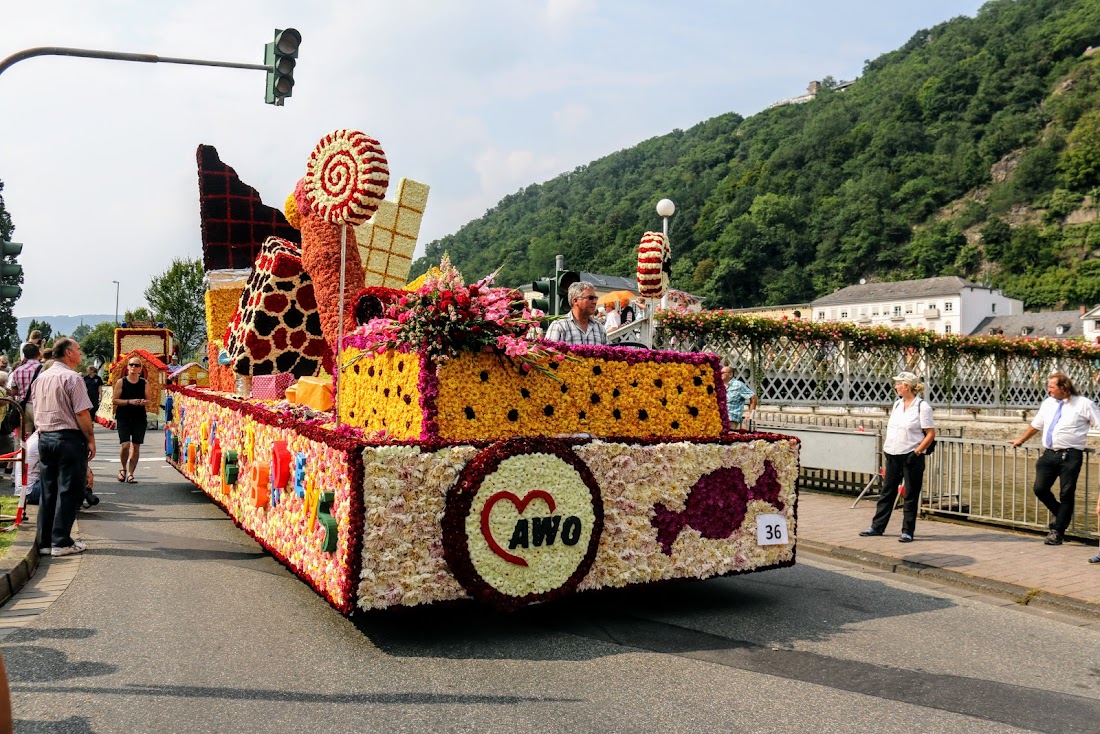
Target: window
{"type": "Point", "coordinates": [920, 307]}
{"type": "Point", "coordinates": [948, 306]}
{"type": "Point", "coordinates": [862, 310]}
{"type": "Point", "coordinates": [820, 315]}
{"type": "Point", "coordinates": [897, 310]}
{"type": "Point", "coordinates": [908, 309]}
{"type": "Point", "coordinates": [843, 314]}
{"type": "Point", "coordinates": [947, 328]}
{"type": "Point", "coordinates": [874, 310]}
{"type": "Point", "coordinates": [832, 314]}
{"type": "Point", "coordinates": [1060, 330]}
{"type": "Point", "coordinates": [931, 307]}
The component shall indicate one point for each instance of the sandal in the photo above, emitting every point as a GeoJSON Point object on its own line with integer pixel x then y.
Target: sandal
{"type": "Point", "coordinates": [130, 479]}
{"type": "Point", "coordinates": [122, 475]}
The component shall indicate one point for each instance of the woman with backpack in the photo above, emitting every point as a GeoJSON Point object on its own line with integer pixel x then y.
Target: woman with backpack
{"type": "Point", "coordinates": [910, 434]}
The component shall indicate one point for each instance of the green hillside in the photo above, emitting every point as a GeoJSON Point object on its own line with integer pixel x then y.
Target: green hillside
{"type": "Point", "coordinates": [891, 178]}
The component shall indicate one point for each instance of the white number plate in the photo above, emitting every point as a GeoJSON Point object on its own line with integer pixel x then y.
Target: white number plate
{"type": "Point", "coordinates": [771, 530]}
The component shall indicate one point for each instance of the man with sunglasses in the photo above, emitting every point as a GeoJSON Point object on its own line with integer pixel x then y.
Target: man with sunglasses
{"type": "Point", "coordinates": [130, 395]}
{"type": "Point", "coordinates": [580, 326]}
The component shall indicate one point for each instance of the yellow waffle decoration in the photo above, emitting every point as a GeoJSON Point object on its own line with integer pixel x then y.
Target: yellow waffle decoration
{"type": "Point", "coordinates": [387, 240]}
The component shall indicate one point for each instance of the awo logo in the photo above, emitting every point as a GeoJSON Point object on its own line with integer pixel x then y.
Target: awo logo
{"type": "Point", "coordinates": [530, 532]}
{"type": "Point", "coordinates": [522, 523]}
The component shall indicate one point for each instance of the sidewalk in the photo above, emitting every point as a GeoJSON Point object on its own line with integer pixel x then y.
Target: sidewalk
{"type": "Point", "coordinates": [983, 557]}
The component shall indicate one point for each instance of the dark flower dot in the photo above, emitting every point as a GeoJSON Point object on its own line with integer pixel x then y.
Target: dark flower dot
{"type": "Point", "coordinates": [356, 368]}
{"type": "Point", "coordinates": [675, 425]}
{"type": "Point", "coordinates": [400, 366]}
{"type": "Point", "coordinates": [582, 415]}
{"type": "Point", "coordinates": [596, 370]}
{"type": "Point", "coordinates": [697, 380]}
{"type": "Point", "coordinates": [658, 382]}
{"type": "Point", "coordinates": [398, 389]}
{"type": "Point", "coordinates": [679, 389]}
{"type": "Point", "coordinates": [484, 375]}
{"type": "Point", "coordinates": [710, 389]}
{"type": "Point", "coordinates": [374, 411]}
{"type": "Point", "coordinates": [469, 413]}
{"type": "Point", "coordinates": [664, 402]}
{"type": "Point", "coordinates": [564, 389]}
{"type": "Point", "coordinates": [407, 399]}
{"type": "Point", "coordinates": [351, 413]}
{"type": "Point", "coordinates": [525, 392]}
{"type": "Point", "coordinates": [694, 411]}
{"type": "Point", "coordinates": [634, 383]}
{"type": "Point", "coordinates": [617, 414]}
{"type": "Point", "coordinates": [370, 370]}
{"type": "Point", "coordinates": [548, 411]}
{"type": "Point", "coordinates": [615, 393]}
{"type": "Point", "coordinates": [642, 415]}
{"type": "Point", "coordinates": [553, 365]}
{"type": "Point", "coordinates": [513, 415]}
{"type": "Point", "coordinates": [386, 392]}
{"type": "Point", "coordinates": [595, 398]}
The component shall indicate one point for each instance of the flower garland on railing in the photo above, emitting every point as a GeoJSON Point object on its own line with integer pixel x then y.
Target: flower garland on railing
{"type": "Point", "coordinates": [445, 317]}
{"type": "Point", "coordinates": [758, 329]}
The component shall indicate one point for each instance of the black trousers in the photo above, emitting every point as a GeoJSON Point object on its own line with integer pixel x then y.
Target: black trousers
{"type": "Point", "coordinates": [64, 470]}
{"type": "Point", "coordinates": [911, 468]}
{"type": "Point", "coordinates": [1064, 465]}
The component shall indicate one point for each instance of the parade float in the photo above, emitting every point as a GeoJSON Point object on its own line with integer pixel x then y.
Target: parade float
{"type": "Point", "coordinates": [396, 446]}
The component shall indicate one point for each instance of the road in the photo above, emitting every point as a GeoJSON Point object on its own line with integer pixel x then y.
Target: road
{"type": "Point", "coordinates": [178, 622]}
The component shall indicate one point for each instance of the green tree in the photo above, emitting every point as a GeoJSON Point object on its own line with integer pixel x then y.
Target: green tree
{"type": "Point", "coordinates": [81, 331]}
{"type": "Point", "coordinates": [43, 327]}
{"type": "Point", "coordinates": [9, 326]}
{"type": "Point", "coordinates": [139, 314]}
{"type": "Point", "coordinates": [177, 295]}
{"type": "Point", "coordinates": [99, 342]}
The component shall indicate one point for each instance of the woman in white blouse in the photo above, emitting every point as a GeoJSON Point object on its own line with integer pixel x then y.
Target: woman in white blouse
{"type": "Point", "coordinates": [908, 435]}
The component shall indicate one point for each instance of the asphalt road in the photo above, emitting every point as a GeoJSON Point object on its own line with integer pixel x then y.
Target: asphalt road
{"type": "Point", "coordinates": [178, 622]}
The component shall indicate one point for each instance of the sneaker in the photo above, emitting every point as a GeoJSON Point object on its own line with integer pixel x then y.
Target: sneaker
{"type": "Point", "coordinates": [68, 550]}
{"type": "Point", "coordinates": [1053, 538]}
{"type": "Point", "coordinates": [1095, 559]}
{"type": "Point", "coordinates": [869, 532]}
{"type": "Point", "coordinates": [905, 538]}
{"type": "Point", "coordinates": [44, 551]}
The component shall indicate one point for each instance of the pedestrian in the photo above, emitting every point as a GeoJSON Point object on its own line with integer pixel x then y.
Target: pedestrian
{"type": "Point", "coordinates": [628, 313]}
{"type": "Point", "coordinates": [66, 444]}
{"type": "Point", "coordinates": [737, 393]}
{"type": "Point", "coordinates": [94, 385]}
{"type": "Point", "coordinates": [22, 379]}
{"type": "Point", "coordinates": [130, 395]}
{"type": "Point", "coordinates": [1063, 419]}
{"type": "Point", "coordinates": [580, 325]}
{"type": "Point", "coordinates": [612, 320]}
{"type": "Point", "coordinates": [909, 434]}
{"type": "Point", "coordinates": [4, 363]}
{"type": "Point", "coordinates": [34, 467]}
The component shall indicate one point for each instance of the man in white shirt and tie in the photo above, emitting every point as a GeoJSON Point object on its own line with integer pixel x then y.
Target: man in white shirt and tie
{"type": "Point", "coordinates": [1063, 420]}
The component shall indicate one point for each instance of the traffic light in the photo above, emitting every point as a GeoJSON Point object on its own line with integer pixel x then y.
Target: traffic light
{"type": "Point", "coordinates": [544, 286]}
{"type": "Point", "coordinates": [11, 273]}
{"type": "Point", "coordinates": [280, 55]}
{"type": "Point", "coordinates": [565, 279]}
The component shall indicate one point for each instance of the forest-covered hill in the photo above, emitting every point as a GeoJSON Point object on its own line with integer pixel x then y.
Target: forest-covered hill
{"type": "Point", "coordinates": [974, 150]}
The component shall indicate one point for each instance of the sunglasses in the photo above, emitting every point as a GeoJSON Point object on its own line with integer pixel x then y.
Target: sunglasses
{"type": "Point", "coordinates": [133, 365]}
{"type": "Point", "coordinates": [591, 298]}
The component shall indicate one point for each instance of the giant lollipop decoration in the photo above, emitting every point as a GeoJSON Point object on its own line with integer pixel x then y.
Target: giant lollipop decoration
{"type": "Point", "coordinates": [652, 262]}
{"type": "Point", "coordinates": [346, 178]}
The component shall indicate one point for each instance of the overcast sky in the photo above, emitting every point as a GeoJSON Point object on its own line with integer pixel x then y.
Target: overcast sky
{"type": "Point", "coordinates": [477, 99]}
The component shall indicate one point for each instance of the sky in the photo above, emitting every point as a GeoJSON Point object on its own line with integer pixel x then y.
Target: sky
{"type": "Point", "coordinates": [478, 99]}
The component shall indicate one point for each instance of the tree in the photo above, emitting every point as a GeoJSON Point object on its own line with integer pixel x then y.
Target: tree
{"type": "Point", "coordinates": [9, 327]}
{"type": "Point", "coordinates": [81, 331]}
{"type": "Point", "coordinates": [177, 295]}
{"type": "Point", "coordinates": [43, 327]}
{"type": "Point", "coordinates": [139, 314]}
{"type": "Point", "coordinates": [99, 342]}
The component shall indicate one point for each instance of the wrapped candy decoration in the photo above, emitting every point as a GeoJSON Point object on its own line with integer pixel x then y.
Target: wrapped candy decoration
{"type": "Point", "coordinates": [653, 265]}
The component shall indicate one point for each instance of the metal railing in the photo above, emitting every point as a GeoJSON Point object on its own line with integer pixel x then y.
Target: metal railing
{"type": "Point", "coordinates": [990, 481]}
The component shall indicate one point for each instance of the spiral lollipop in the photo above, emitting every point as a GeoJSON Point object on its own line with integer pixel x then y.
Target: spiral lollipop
{"type": "Point", "coordinates": [346, 177]}
{"type": "Point", "coordinates": [652, 275]}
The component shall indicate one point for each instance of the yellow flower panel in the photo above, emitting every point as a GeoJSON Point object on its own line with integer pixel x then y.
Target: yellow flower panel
{"type": "Point", "coordinates": [220, 305]}
{"type": "Point", "coordinates": [482, 396]}
{"type": "Point", "coordinates": [381, 393]}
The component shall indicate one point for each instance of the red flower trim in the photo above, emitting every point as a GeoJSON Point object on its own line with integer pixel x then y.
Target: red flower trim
{"type": "Point", "coordinates": [460, 498]}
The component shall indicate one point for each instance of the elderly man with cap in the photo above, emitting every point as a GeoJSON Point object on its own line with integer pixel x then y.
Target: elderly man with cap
{"type": "Point", "coordinates": [1064, 419]}
{"type": "Point", "coordinates": [909, 434]}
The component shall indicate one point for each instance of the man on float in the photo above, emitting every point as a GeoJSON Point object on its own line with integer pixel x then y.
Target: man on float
{"type": "Point", "coordinates": [580, 325]}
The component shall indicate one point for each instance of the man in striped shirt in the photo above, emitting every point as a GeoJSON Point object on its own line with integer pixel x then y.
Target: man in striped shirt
{"type": "Point", "coordinates": [580, 326]}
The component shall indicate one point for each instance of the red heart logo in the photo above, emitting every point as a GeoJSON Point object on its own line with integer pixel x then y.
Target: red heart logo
{"type": "Point", "coordinates": [521, 505]}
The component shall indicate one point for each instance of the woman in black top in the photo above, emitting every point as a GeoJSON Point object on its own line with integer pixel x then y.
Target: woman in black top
{"type": "Point", "coordinates": [131, 395]}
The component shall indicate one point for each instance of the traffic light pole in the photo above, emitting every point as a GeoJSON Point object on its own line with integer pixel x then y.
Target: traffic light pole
{"type": "Point", "coordinates": [88, 53]}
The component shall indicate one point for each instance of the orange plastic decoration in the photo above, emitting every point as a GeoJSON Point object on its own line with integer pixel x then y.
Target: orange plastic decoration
{"type": "Point", "coordinates": [257, 477]}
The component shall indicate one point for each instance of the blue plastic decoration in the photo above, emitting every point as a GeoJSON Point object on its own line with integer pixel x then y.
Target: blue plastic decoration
{"type": "Point", "coordinates": [300, 474]}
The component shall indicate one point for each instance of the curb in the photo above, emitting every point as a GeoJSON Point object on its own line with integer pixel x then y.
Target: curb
{"type": "Point", "coordinates": [1019, 594]}
{"type": "Point", "coordinates": [21, 561]}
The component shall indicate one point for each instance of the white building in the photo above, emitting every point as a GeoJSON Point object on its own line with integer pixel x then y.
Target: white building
{"type": "Point", "coordinates": [1090, 325]}
{"type": "Point", "coordinates": [946, 305]}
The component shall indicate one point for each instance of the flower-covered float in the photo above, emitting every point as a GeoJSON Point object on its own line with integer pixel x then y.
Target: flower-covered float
{"type": "Point", "coordinates": [460, 459]}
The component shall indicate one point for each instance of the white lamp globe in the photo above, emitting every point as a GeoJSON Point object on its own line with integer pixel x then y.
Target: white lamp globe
{"type": "Point", "coordinates": [665, 208]}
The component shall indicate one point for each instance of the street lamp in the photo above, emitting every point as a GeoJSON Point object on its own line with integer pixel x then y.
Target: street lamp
{"type": "Point", "coordinates": [665, 209]}
{"type": "Point", "coordinates": [116, 301]}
